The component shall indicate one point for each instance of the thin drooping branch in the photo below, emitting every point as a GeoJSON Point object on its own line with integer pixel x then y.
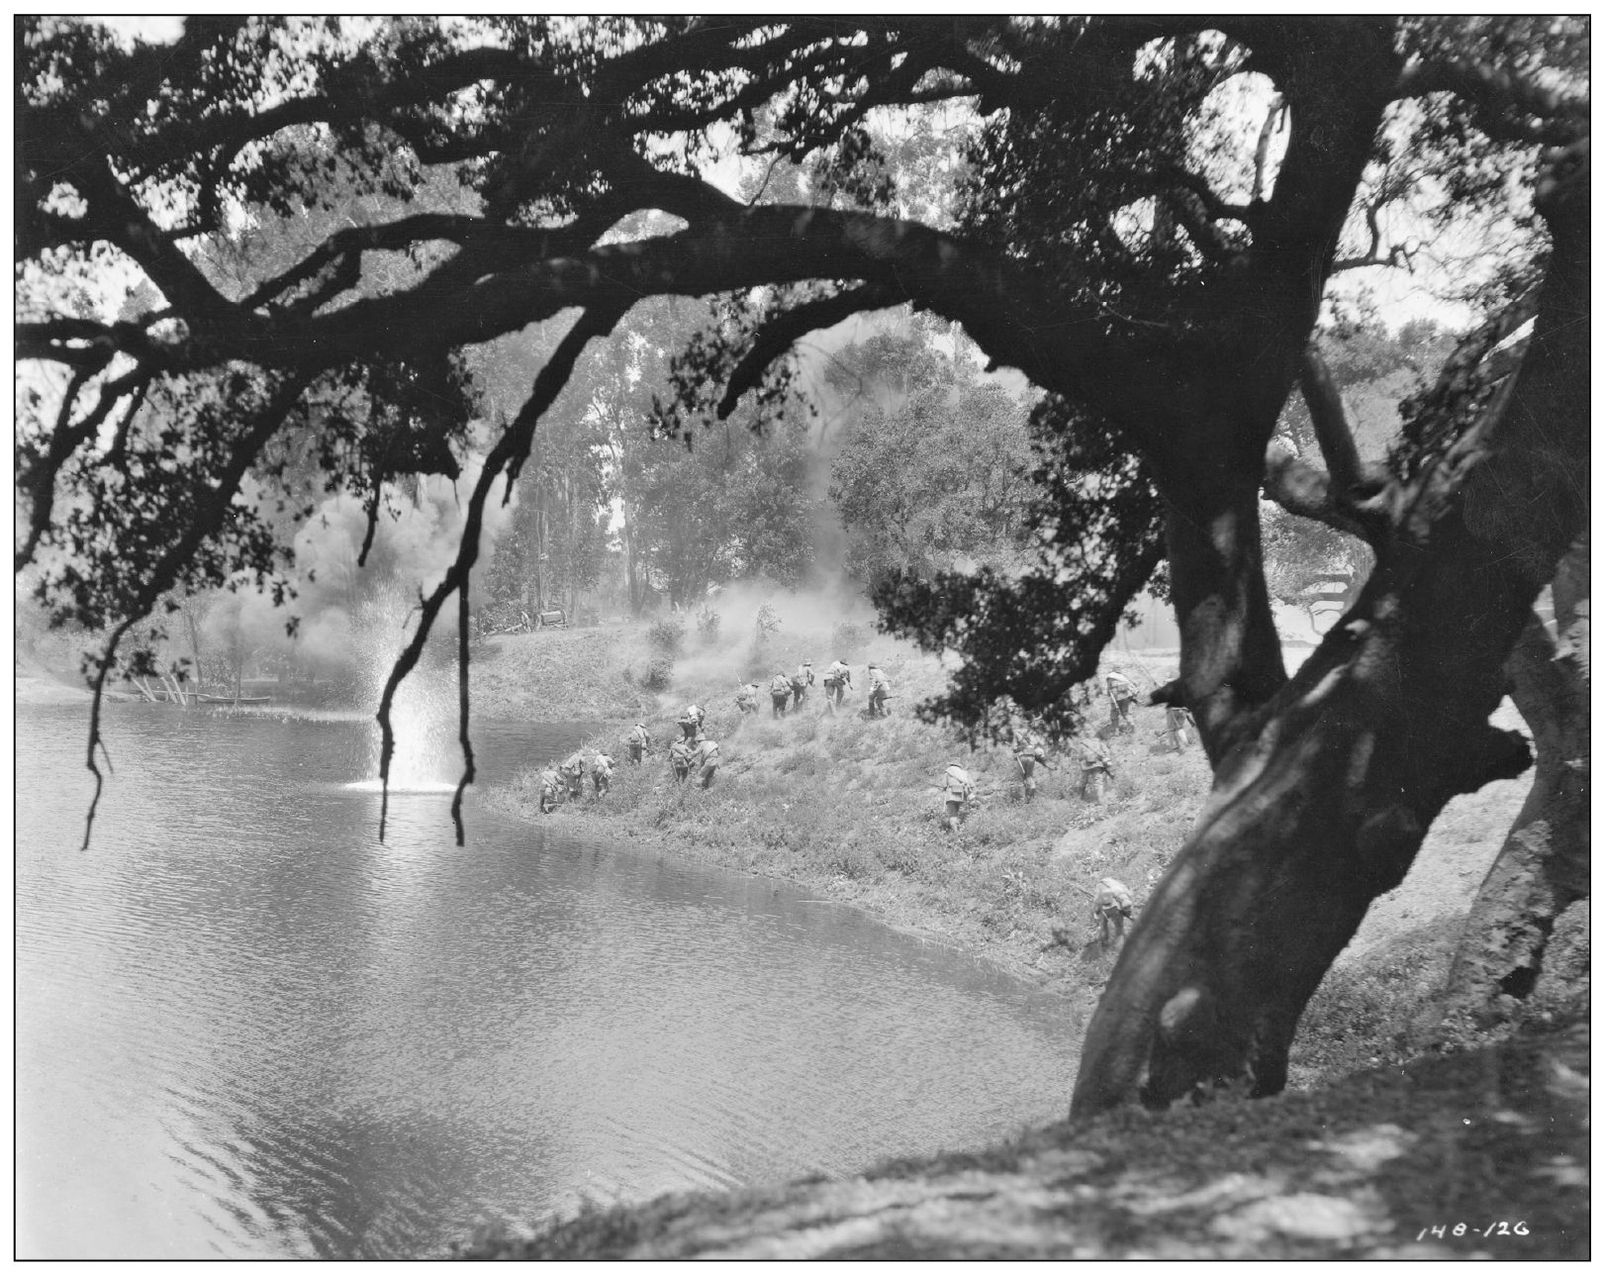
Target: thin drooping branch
{"type": "Point", "coordinates": [778, 335]}
{"type": "Point", "coordinates": [210, 513]}
{"type": "Point", "coordinates": [509, 452]}
{"type": "Point", "coordinates": [464, 625]}
{"type": "Point", "coordinates": [38, 473]}
{"type": "Point", "coordinates": [370, 519]}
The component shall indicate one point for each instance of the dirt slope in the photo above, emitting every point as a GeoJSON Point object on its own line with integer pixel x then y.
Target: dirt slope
{"type": "Point", "coordinates": [1494, 1142]}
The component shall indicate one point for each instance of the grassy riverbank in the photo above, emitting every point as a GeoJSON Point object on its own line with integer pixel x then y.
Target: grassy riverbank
{"type": "Point", "coordinates": [848, 808]}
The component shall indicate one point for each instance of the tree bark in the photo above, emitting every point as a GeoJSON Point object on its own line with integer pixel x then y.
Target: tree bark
{"type": "Point", "coordinates": [1231, 656]}
{"type": "Point", "coordinates": [1324, 803]}
{"type": "Point", "coordinates": [1544, 864]}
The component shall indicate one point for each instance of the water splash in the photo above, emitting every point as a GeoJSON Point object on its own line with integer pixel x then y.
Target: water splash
{"type": "Point", "coordinates": [423, 717]}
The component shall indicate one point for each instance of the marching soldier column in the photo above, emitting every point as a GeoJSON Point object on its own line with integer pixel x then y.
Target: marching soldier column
{"type": "Point", "coordinates": [694, 752]}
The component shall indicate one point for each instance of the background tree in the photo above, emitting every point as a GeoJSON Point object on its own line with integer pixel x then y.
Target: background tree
{"type": "Point", "coordinates": [1155, 211]}
{"type": "Point", "coordinates": [553, 550]}
{"type": "Point", "coordinates": [731, 504]}
{"type": "Point", "coordinates": [936, 477]}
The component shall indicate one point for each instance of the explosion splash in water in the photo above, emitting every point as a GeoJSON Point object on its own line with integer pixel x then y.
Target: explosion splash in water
{"type": "Point", "coordinates": [424, 714]}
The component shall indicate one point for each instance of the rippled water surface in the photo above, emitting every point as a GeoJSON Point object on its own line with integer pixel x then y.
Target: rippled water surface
{"type": "Point", "coordinates": [246, 1028]}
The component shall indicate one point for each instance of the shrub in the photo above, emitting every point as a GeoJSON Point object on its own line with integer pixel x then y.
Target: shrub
{"type": "Point", "coordinates": [799, 761]}
{"type": "Point", "coordinates": [667, 635]}
{"type": "Point", "coordinates": [658, 674]}
{"type": "Point", "coordinates": [898, 854]}
{"type": "Point", "coordinates": [774, 836]}
{"type": "Point", "coordinates": [850, 859]}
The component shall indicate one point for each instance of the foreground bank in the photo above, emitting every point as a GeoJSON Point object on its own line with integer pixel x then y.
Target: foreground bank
{"type": "Point", "coordinates": [1484, 1154]}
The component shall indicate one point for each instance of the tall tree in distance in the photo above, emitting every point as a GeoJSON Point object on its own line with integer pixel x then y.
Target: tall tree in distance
{"type": "Point", "coordinates": [730, 503]}
{"type": "Point", "coordinates": [935, 470]}
{"type": "Point", "coordinates": [1155, 210]}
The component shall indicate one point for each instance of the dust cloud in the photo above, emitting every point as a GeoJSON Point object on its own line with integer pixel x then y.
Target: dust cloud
{"type": "Point", "coordinates": [351, 615]}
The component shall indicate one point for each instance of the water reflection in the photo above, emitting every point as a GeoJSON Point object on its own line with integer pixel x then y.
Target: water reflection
{"type": "Point", "coordinates": [245, 1028]}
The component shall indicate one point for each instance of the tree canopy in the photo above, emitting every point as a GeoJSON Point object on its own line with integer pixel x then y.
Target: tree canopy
{"type": "Point", "coordinates": [939, 474]}
{"type": "Point", "coordinates": [1151, 213]}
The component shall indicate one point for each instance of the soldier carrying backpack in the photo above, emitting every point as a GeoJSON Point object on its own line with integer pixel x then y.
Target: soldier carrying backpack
{"type": "Point", "coordinates": [638, 741]}
{"type": "Point", "coordinates": [957, 792]}
{"type": "Point", "coordinates": [880, 690]}
{"type": "Point", "coordinates": [800, 682]}
{"type": "Point", "coordinates": [779, 694]}
{"type": "Point", "coordinates": [1096, 767]}
{"type": "Point", "coordinates": [1028, 758]}
{"type": "Point", "coordinates": [551, 786]}
{"type": "Point", "coordinates": [838, 679]}
{"type": "Point", "coordinates": [573, 772]}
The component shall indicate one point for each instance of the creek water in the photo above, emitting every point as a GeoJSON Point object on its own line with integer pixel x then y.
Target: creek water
{"type": "Point", "coordinates": [246, 1028]}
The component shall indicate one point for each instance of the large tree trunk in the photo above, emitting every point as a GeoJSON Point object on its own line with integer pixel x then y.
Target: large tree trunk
{"type": "Point", "coordinates": [1543, 867]}
{"type": "Point", "coordinates": [1324, 802]}
{"type": "Point", "coordinates": [1231, 655]}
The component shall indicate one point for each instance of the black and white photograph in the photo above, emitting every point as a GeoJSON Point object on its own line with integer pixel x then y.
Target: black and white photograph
{"type": "Point", "coordinates": [930, 637]}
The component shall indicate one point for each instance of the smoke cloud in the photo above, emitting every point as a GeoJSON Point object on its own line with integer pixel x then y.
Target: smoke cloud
{"type": "Point", "coordinates": [350, 615]}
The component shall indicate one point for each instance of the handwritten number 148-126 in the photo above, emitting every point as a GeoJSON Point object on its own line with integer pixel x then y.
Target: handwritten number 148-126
{"type": "Point", "coordinates": [1461, 1230]}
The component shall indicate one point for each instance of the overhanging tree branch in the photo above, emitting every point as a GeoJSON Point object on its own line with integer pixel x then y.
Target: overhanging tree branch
{"type": "Point", "coordinates": [508, 454]}
{"type": "Point", "coordinates": [778, 335]}
{"type": "Point", "coordinates": [211, 509]}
